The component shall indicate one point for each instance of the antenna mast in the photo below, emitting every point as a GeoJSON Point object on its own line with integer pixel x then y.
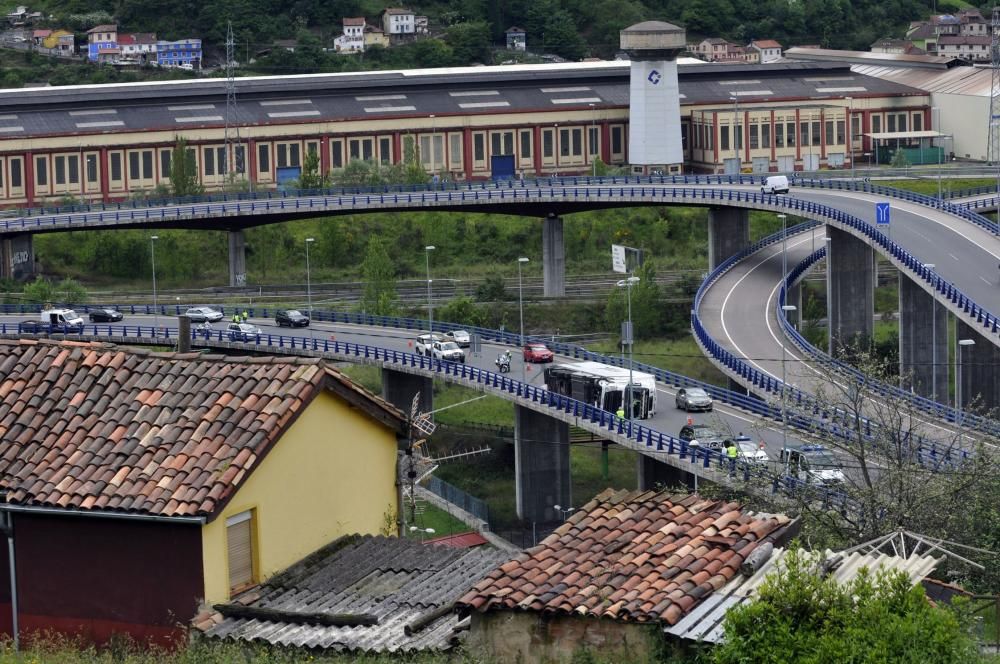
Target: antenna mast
{"type": "Point", "coordinates": [234, 149]}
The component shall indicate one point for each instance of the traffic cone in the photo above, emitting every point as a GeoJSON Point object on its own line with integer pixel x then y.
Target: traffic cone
{"type": "Point", "coordinates": [690, 420]}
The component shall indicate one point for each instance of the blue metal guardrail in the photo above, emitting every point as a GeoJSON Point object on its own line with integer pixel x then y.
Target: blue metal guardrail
{"type": "Point", "coordinates": [474, 506]}
{"type": "Point", "coordinates": [800, 400]}
{"type": "Point", "coordinates": [639, 435]}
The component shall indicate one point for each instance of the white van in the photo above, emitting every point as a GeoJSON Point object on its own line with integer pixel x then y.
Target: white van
{"type": "Point", "coordinates": [775, 184]}
{"type": "Point", "coordinates": [61, 317]}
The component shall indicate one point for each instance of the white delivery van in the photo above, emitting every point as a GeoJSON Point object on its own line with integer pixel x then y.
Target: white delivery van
{"type": "Point", "coordinates": [61, 317]}
{"type": "Point", "coordinates": [775, 184]}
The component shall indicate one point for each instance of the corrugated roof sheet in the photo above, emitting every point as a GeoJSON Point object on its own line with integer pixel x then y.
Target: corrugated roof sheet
{"type": "Point", "coordinates": [975, 81]}
{"type": "Point", "coordinates": [396, 580]}
{"type": "Point", "coordinates": [704, 622]}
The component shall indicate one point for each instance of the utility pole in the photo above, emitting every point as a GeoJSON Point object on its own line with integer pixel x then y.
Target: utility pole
{"type": "Point", "coordinates": [232, 130]}
{"type": "Point", "coordinates": [993, 146]}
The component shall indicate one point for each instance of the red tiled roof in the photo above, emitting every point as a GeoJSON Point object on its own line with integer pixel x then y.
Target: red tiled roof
{"type": "Point", "coordinates": [354, 21]}
{"type": "Point", "coordinates": [103, 28]}
{"type": "Point", "coordinates": [460, 540]}
{"type": "Point", "coordinates": [638, 556]}
{"type": "Point", "coordinates": [126, 40]}
{"type": "Point", "coordinates": [94, 427]}
{"type": "Point", "coordinates": [765, 43]}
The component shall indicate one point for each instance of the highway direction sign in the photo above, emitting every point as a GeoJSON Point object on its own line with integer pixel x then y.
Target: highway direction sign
{"type": "Point", "coordinates": [882, 214]}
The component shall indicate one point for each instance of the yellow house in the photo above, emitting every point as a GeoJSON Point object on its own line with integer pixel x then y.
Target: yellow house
{"type": "Point", "coordinates": [52, 41]}
{"type": "Point", "coordinates": [375, 37]}
{"type": "Point", "coordinates": [142, 485]}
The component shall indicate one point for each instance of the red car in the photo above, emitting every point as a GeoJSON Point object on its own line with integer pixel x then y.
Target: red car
{"type": "Point", "coordinates": [537, 353]}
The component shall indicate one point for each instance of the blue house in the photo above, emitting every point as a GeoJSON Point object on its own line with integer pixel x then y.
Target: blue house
{"type": "Point", "coordinates": [102, 40]}
{"type": "Point", "coordinates": [184, 53]}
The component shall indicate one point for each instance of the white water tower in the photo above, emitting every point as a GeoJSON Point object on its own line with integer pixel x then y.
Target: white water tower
{"type": "Point", "coordinates": [654, 95]}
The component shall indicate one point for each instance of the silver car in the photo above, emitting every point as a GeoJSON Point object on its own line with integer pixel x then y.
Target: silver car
{"type": "Point", "coordinates": [693, 398]}
{"type": "Point", "coordinates": [460, 337]}
{"type": "Point", "coordinates": [448, 350]}
{"type": "Point", "coordinates": [203, 314]}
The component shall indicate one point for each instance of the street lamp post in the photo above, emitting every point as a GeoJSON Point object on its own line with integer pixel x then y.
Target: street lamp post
{"type": "Point", "coordinates": [520, 307]}
{"type": "Point", "coordinates": [850, 134]}
{"type": "Point", "coordinates": [736, 123]}
{"type": "Point", "coordinates": [934, 392]}
{"type": "Point", "coordinates": [152, 259]}
{"type": "Point", "coordinates": [785, 308]}
{"type": "Point", "coordinates": [309, 299]}
{"type": "Point", "coordinates": [958, 378]}
{"type": "Point", "coordinates": [430, 304]}
{"type": "Point", "coordinates": [630, 339]}
{"type": "Point", "coordinates": [593, 135]}
{"type": "Point", "coordinates": [937, 110]}
{"type": "Point", "coordinates": [563, 512]}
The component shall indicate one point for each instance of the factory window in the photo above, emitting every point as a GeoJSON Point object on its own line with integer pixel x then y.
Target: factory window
{"type": "Point", "coordinates": [479, 150]}
{"type": "Point", "coordinates": [779, 135]}
{"type": "Point", "coordinates": [147, 165]}
{"type": "Point", "coordinates": [133, 165]}
{"type": "Point", "coordinates": [829, 132]}
{"type": "Point", "coordinates": [876, 124]}
{"type": "Point", "coordinates": [385, 150]}
{"type": "Point", "coordinates": [765, 135]}
{"type": "Point", "coordinates": [115, 160]}
{"type": "Point", "coordinates": [855, 128]}
{"type": "Point", "coordinates": [790, 134]}
{"type": "Point", "coordinates": [918, 122]}
{"type": "Point", "coordinates": [288, 155]}
{"type": "Point", "coordinates": [336, 153]}
{"type": "Point", "coordinates": [432, 151]}
{"type": "Point", "coordinates": [357, 148]}
{"type": "Point", "coordinates": [264, 158]}
{"type": "Point", "coordinates": [165, 156]}
{"type": "Point", "coordinates": [42, 172]}
{"type": "Point", "coordinates": [803, 134]}
{"type": "Point", "coordinates": [594, 140]}
{"type": "Point", "coordinates": [902, 122]}
{"type": "Point", "coordinates": [754, 137]}
{"type": "Point", "coordinates": [16, 181]}
{"type": "Point", "coordinates": [240, 157]}
{"type": "Point", "coordinates": [455, 151]}
{"type": "Point", "coordinates": [90, 162]}
{"type": "Point", "coordinates": [60, 170]}
{"type": "Point", "coordinates": [1, 176]}
{"type": "Point", "coordinates": [312, 147]}
{"type": "Point", "coordinates": [548, 146]}
{"type": "Point", "coordinates": [525, 144]}
{"type": "Point", "coordinates": [209, 162]}
{"type": "Point", "coordinates": [841, 139]}
{"type": "Point", "coordinates": [724, 137]}
{"type": "Point", "coordinates": [892, 123]}
{"type": "Point", "coordinates": [617, 142]}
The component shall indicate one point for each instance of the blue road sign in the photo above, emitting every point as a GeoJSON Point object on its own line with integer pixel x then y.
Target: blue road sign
{"type": "Point", "coordinates": [882, 214]}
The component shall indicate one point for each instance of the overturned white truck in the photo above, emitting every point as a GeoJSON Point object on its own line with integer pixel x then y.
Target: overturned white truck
{"type": "Point", "coordinates": [605, 387]}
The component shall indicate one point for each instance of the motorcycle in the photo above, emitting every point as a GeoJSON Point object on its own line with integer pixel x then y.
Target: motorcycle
{"type": "Point", "coordinates": [503, 362]}
{"type": "Point", "coordinates": [205, 328]}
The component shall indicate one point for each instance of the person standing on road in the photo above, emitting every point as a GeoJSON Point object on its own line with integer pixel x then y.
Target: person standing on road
{"type": "Point", "coordinates": [246, 315]}
{"type": "Point", "coordinates": [732, 452]}
{"type": "Point", "coordinates": [236, 317]}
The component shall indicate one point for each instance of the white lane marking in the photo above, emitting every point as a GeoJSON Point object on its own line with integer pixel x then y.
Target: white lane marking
{"type": "Point", "coordinates": [985, 280]}
{"type": "Point", "coordinates": [953, 255]}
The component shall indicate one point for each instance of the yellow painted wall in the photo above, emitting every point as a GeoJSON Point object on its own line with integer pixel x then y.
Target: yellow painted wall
{"type": "Point", "coordinates": [332, 473]}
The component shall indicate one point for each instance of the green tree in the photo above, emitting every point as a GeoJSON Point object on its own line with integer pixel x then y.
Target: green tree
{"type": "Point", "coordinates": [413, 170]}
{"type": "Point", "coordinates": [647, 305]}
{"type": "Point", "coordinates": [379, 295]}
{"type": "Point", "coordinates": [461, 310]}
{"type": "Point", "coordinates": [470, 42]}
{"type": "Point", "coordinates": [311, 177]}
{"type": "Point", "coordinates": [66, 291]}
{"type": "Point", "coordinates": [183, 170]}
{"type": "Point", "coordinates": [899, 159]}
{"type": "Point", "coordinates": [801, 615]}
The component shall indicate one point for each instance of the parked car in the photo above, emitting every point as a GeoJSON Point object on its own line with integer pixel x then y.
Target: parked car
{"type": "Point", "coordinates": [291, 318]}
{"type": "Point", "coordinates": [460, 337]}
{"type": "Point", "coordinates": [424, 344]}
{"type": "Point", "coordinates": [447, 350]}
{"type": "Point", "coordinates": [242, 331]}
{"type": "Point", "coordinates": [701, 435]}
{"type": "Point", "coordinates": [693, 398]}
{"type": "Point", "coordinates": [32, 327]}
{"type": "Point", "coordinates": [106, 315]}
{"type": "Point", "coordinates": [535, 352]}
{"type": "Point", "coordinates": [203, 314]}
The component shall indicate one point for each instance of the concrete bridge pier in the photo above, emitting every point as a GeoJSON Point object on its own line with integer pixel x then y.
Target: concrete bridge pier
{"type": "Point", "coordinates": [398, 388]}
{"type": "Point", "coordinates": [541, 466]}
{"type": "Point", "coordinates": [18, 257]}
{"type": "Point", "coordinates": [850, 291]}
{"type": "Point", "coordinates": [652, 474]}
{"type": "Point", "coordinates": [237, 258]}
{"type": "Point", "coordinates": [728, 233]}
{"type": "Point", "coordinates": [923, 342]}
{"type": "Point", "coordinates": [980, 380]}
{"type": "Point", "coordinates": [553, 256]}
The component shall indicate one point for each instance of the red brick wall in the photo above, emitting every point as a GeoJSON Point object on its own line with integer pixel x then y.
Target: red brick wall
{"type": "Point", "coordinates": [97, 577]}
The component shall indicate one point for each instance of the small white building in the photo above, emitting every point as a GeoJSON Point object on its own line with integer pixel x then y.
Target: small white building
{"type": "Point", "coordinates": [353, 39]}
{"type": "Point", "coordinates": [398, 23]}
{"type": "Point", "coordinates": [516, 39]}
{"type": "Point", "coordinates": [768, 50]}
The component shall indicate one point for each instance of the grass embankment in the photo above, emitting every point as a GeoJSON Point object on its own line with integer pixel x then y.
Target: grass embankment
{"type": "Point", "coordinates": [927, 183]}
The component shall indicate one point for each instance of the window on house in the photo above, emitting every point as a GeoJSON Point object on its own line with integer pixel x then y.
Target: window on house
{"type": "Point", "coordinates": [239, 546]}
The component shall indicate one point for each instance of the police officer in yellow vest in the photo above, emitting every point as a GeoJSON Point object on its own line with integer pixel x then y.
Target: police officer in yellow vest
{"type": "Point", "coordinates": [732, 452]}
{"type": "Point", "coordinates": [621, 411]}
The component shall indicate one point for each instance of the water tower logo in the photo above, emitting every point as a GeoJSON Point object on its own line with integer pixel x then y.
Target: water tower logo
{"type": "Point", "coordinates": [654, 77]}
